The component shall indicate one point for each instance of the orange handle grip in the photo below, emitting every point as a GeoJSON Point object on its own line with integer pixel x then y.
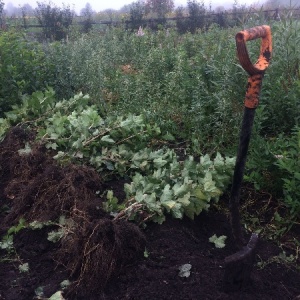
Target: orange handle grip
{"type": "Point", "coordinates": [263, 32]}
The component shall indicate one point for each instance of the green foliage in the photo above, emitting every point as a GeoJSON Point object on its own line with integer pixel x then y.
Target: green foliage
{"type": "Point", "coordinates": [33, 108]}
{"type": "Point", "coordinates": [289, 164]}
{"type": "Point", "coordinates": [22, 69]}
{"type": "Point", "coordinates": [15, 229]}
{"type": "Point", "coordinates": [112, 204]}
{"type": "Point", "coordinates": [281, 86]}
{"type": "Point", "coordinates": [7, 243]}
{"type": "Point", "coordinates": [176, 187]}
{"type": "Point", "coordinates": [7, 240]}
{"type": "Point", "coordinates": [274, 166]}
{"type": "Point", "coordinates": [64, 227]}
{"type": "Point", "coordinates": [125, 73]}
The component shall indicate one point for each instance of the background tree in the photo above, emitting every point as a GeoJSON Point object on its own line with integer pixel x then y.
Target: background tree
{"type": "Point", "coordinates": [1, 12]}
{"type": "Point", "coordinates": [110, 13]}
{"type": "Point", "coordinates": [137, 12]}
{"type": "Point", "coordinates": [196, 15]}
{"type": "Point", "coordinates": [55, 21]}
{"type": "Point", "coordinates": [26, 11]}
{"type": "Point", "coordinates": [181, 21]}
{"type": "Point", "coordinates": [159, 7]}
{"type": "Point", "coordinates": [87, 12]}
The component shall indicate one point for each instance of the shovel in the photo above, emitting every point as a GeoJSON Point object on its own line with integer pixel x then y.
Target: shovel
{"type": "Point", "coordinates": [238, 266]}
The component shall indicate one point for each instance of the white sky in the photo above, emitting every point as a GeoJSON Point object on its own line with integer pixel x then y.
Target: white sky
{"type": "Point", "coordinates": [117, 4]}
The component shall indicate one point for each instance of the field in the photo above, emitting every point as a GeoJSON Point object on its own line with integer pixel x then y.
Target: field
{"type": "Point", "coordinates": [117, 154]}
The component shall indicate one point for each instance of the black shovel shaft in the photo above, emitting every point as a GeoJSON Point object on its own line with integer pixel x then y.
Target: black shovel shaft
{"type": "Point", "coordinates": [245, 135]}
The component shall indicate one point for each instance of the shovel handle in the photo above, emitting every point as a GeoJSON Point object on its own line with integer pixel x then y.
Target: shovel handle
{"type": "Point", "coordinates": [263, 32]}
{"type": "Point", "coordinates": [257, 70]}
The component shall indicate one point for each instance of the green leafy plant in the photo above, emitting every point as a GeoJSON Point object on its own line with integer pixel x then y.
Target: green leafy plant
{"type": "Point", "coordinates": [7, 240]}
{"type": "Point", "coordinates": [22, 69]}
{"type": "Point", "coordinates": [289, 164]}
{"type": "Point", "coordinates": [65, 226]}
{"type": "Point", "coordinates": [118, 145]}
{"type": "Point", "coordinates": [7, 243]}
{"type": "Point", "coordinates": [178, 188]}
{"type": "Point", "coordinates": [24, 268]}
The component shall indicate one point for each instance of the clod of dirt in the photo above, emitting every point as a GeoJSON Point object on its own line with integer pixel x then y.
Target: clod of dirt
{"type": "Point", "coordinates": [97, 251]}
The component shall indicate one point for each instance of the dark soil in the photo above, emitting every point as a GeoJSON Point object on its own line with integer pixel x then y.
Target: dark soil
{"type": "Point", "coordinates": [105, 259]}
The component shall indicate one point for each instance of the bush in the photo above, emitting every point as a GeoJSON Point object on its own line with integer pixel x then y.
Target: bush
{"type": "Point", "coordinates": [289, 164]}
{"type": "Point", "coordinates": [22, 69]}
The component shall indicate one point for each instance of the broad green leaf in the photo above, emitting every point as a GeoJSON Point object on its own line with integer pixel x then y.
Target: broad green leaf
{"type": "Point", "coordinates": [51, 146]}
{"type": "Point", "coordinates": [180, 189]}
{"type": "Point", "coordinates": [110, 195]}
{"type": "Point", "coordinates": [143, 165]}
{"type": "Point", "coordinates": [195, 207]}
{"type": "Point", "coordinates": [198, 192]}
{"type": "Point", "coordinates": [158, 219]}
{"type": "Point", "coordinates": [168, 204]}
{"type": "Point", "coordinates": [219, 160]}
{"type": "Point", "coordinates": [205, 161]}
{"type": "Point", "coordinates": [177, 211]}
{"type": "Point", "coordinates": [167, 194]}
{"type": "Point", "coordinates": [185, 199]}
{"type": "Point", "coordinates": [107, 139]}
{"type": "Point", "coordinates": [168, 137]}
{"type": "Point", "coordinates": [218, 241]}
{"type": "Point", "coordinates": [77, 144]}
{"type": "Point", "coordinates": [57, 296]}
{"type": "Point", "coordinates": [159, 162]}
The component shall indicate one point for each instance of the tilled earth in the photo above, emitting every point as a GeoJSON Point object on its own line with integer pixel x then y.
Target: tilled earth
{"type": "Point", "coordinates": [104, 259]}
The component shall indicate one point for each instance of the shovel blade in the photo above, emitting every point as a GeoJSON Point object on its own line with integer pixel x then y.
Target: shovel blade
{"type": "Point", "coordinates": [238, 266]}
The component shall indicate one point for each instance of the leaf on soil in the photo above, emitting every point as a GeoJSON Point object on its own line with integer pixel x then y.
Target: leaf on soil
{"type": "Point", "coordinates": [24, 268]}
{"type": "Point", "coordinates": [185, 270]}
{"type": "Point", "coordinates": [218, 241]}
{"type": "Point", "coordinates": [57, 296]}
{"type": "Point", "coordinates": [26, 151]}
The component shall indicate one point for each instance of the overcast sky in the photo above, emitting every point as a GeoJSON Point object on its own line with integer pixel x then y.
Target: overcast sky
{"type": "Point", "coordinates": [116, 4]}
